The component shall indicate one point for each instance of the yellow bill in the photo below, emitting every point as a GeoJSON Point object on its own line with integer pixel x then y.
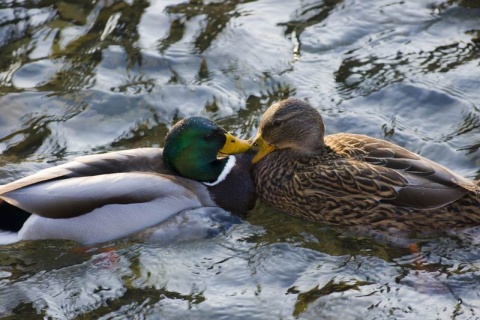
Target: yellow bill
{"type": "Point", "coordinates": [233, 145]}
{"type": "Point", "coordinates": [262, 148]}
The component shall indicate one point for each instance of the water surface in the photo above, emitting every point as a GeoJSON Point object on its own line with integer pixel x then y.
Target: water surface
{"type": "Point", "coordinates": [83, 77]}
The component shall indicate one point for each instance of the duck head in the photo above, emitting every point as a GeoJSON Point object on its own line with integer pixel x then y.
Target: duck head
{"type": "Point", "coordinates": [289, 124]}
{"type": "Point", "coordinates": [195, 148]}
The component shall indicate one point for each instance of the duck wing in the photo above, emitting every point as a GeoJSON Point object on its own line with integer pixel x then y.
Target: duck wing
{"type": "Point", "coordinates": [391, 173]}
{"type": "Point", "coordinates": [142, 159]}
{"type": "Point", "coordinates": [104, 207]}
{"type": "Point", "coordinates": [66, 198]}
{"type": "Point", "coordinates": [88, 183]}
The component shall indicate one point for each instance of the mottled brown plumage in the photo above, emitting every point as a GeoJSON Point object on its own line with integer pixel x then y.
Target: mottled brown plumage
{"type": "Point", "coordinates": [354, 180]}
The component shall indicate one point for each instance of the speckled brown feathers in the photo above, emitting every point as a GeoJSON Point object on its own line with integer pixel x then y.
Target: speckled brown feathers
{"type": "Point", "coordinates": [351, 179]}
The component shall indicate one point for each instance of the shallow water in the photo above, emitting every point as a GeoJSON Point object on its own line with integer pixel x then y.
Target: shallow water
{"type": "Point", "coordinates": [82, 77]}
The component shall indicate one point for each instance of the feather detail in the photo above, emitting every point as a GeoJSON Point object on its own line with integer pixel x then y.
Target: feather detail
{"type": "Point", "coordinates": [354, 179]}
{"type": "Point", "coordinates": [228, 167]}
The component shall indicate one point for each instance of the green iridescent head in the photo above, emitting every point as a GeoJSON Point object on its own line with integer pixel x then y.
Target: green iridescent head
{"type": "Point", "coordinates": [193, 147]}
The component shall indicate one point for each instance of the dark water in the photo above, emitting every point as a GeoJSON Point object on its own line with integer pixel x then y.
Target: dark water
{"type": "Point", "coordinates": [82, 77]}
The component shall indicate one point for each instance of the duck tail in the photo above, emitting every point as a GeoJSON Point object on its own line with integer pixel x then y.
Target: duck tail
{"type": "Point", "coordinates": [11, 217]}
{"type": "Point", "coordinates": [473, 187]}
{"type": "Point", "coordinates": [477, 183]}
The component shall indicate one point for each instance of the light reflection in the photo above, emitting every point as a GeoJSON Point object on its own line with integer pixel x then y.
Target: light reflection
{"type": "Point", "coordinates": [80, 77]}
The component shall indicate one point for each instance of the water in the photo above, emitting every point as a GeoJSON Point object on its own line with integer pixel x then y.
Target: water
{"type": "Point", "coordinates": [83, 77]}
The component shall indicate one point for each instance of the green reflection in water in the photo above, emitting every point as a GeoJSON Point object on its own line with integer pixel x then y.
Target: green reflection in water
{"type": "Point", "coordinates": [305, 298]}
{"type": "Point", "coordinates": [80, 77]}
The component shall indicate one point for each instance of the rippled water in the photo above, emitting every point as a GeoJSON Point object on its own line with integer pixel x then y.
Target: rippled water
{"type": "Point", "coordinates": [81, 77]}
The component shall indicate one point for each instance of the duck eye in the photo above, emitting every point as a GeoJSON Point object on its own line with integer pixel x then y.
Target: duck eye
{"type": "Point", "coordinates": [208, 137]}
{"type": "Point", "coordinates": [277, 123]}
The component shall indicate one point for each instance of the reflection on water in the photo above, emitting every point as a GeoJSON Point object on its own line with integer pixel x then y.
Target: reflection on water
{"type": "Point", "coordinates": [80, 77]}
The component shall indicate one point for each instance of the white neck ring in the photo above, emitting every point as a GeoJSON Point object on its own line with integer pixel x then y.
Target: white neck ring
{"type": "Point", "coordinates": [228, 167]}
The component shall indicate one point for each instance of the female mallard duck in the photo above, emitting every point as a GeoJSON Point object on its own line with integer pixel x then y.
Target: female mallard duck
{"type": "Point", "coordinates": [107, 196]}
{"type": "Point", "coordinates": [352, 179]}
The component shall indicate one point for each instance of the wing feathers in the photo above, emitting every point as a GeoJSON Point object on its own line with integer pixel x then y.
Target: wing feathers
{"type": "Point", "coordinates": [142, 159]}
{"type": "Point", "coordinates": [76, 196]}
{"type": "Point", "coordinates": [398, 176]}
{"type": "Point", "coordinates": [106, 223]}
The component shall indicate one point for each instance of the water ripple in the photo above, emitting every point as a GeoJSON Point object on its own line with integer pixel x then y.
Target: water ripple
{"type": "Point", "coordinates": [88, 77]}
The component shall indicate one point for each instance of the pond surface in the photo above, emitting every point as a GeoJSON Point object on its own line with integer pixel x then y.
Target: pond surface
{"type": "Point", "coordinates": [83, 77]}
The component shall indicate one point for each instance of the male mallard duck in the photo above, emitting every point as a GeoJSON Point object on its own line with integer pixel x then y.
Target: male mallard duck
{"type": "Point", "coordinates": [101, 197]}
{"type": "Point", "coordinates": [352, 179]}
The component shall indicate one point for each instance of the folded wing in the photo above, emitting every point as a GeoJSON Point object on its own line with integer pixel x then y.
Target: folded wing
{"type": "Point", "coordinates": [393, 174]}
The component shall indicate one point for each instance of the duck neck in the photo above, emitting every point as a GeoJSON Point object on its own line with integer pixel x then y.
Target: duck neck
{"type": "Point", "coordinates": [208, 171]}
{"type": "Point", "coordinates": [227, 165]}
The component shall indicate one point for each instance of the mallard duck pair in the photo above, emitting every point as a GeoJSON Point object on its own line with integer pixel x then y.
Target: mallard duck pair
{"type": "Point", "coordinates": [344, 179]}
{"type": "Point", "coordinates": [354, 180]}
{"type": "Point", "coordinates": [107, 196]}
